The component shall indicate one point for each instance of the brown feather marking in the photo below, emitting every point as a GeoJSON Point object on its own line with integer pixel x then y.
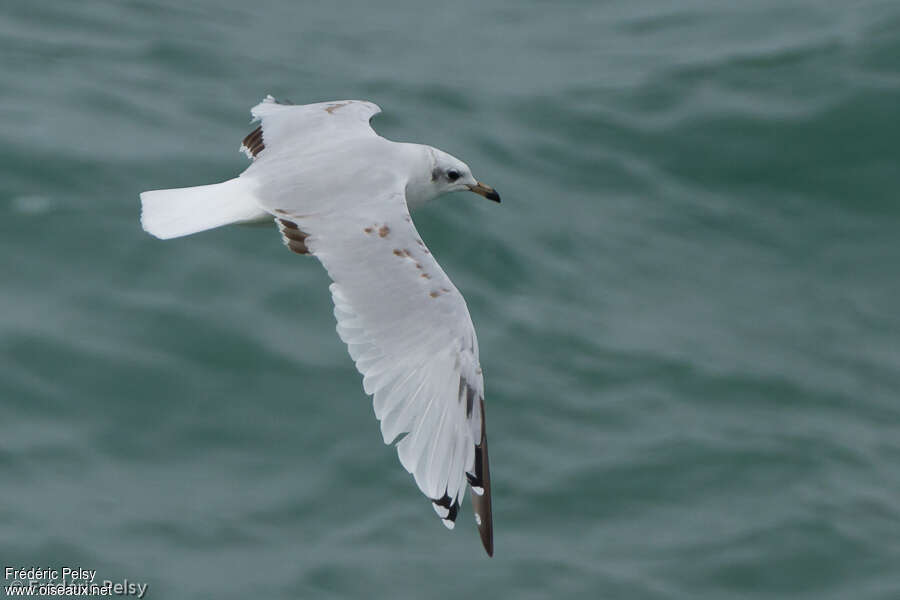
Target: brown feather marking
{"type": "Point", "coordinates": [295, 235]}
{"type": "Point", "coordinates": [384, 230]}
{"type": "Point", "coordinates": [294, 238]}
{"type": "Point", "coordinates": [298, 247]}
{"type": "Point", "coordinates": [330, 110]}
{"type": "Point", "coordinates": [254, 142]}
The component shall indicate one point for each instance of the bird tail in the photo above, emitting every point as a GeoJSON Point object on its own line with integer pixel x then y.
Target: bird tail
{"type": "Point", "coordinates": [182, 211]}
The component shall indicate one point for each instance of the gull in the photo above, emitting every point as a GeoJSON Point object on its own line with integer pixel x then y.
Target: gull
{"type": "Point", "coordinates": [340, 192]}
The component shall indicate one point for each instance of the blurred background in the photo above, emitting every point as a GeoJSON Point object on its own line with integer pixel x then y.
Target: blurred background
{"type": "Point", "coordinates": [687, 303]}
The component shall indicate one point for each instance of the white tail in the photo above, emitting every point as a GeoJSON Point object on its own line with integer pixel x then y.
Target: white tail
{"type": "Point", "coordinates": [182, 211]}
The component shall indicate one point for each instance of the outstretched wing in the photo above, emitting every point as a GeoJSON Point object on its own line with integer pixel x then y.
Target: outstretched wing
{"type": "Point", "coordinates": [409, 332]}
{"type": "Point", "coordinates": [291, 126]}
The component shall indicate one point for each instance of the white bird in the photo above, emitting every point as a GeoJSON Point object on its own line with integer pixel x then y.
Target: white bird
{"type": "Point", "coordinates": [342, 193]}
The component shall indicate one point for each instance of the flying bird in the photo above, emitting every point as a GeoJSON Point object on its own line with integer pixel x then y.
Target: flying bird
{"type": "Point", "coordinates": [340, 192]}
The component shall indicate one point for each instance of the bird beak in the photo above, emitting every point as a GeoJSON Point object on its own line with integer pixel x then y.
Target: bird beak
{"type": "Point", "coordinates": [486, 191]}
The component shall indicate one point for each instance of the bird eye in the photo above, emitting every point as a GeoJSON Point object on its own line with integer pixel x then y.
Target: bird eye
{"type": "Point", "coordinates": [452, 175]}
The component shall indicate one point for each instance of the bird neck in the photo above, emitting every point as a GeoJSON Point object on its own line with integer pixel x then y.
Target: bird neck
{"type": "Point", "coordinates": [420, 187]}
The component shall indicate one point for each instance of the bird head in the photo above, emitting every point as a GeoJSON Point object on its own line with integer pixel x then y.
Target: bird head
{"type": "Point", "coordinates": [449, 174]}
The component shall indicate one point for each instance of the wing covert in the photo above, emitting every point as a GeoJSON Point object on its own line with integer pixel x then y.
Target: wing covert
{"type": "Point", "coordinates": [283, 127]}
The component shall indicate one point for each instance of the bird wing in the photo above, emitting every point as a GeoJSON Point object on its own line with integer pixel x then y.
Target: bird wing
{"type": "Point", "coordinates": [409, 332]}
{"type": "Point", "coordinates": [292, 127]}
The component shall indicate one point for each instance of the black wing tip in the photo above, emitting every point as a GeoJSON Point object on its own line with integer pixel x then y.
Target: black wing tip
{"type": "Point", "coordinates": [447, 509]}
{"type": "Point", "coordinates": [481, 503]}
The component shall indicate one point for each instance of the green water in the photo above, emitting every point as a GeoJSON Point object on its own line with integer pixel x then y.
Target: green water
{"type": "Point", "coordinates": [688, 303]}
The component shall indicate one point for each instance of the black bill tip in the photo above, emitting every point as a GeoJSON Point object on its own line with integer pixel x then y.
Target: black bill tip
{"type": "Point", "coordinates": [486, 191]}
